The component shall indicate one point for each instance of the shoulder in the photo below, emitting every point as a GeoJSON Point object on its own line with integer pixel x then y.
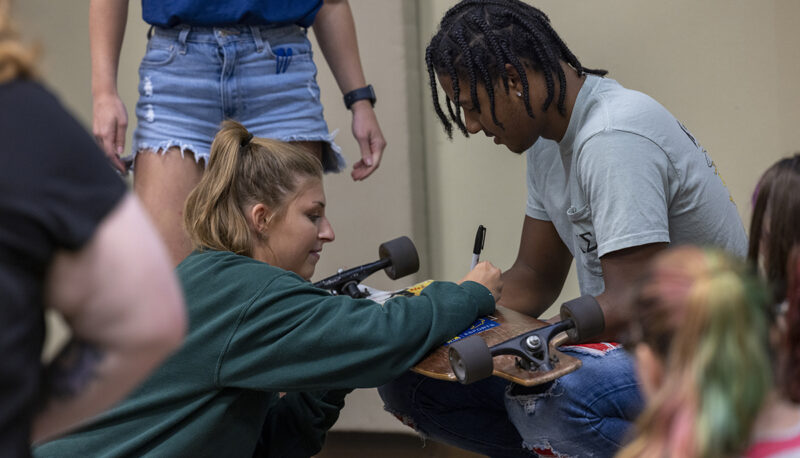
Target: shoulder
{"type": "Point", "coordinates": [227, 264]}
{"type": "Point", "coordinates": [616, 121]}
{"type": "Point", "coordinates": [612, 107]}
{"type": "Point", "coordinates": [213, 279]}
{"type": "Point", "coordinates": [617, 98]}
{"type": "Point", "coordinates": [211, 270]}
{"type": "Point", "coordinates": [21, 99]}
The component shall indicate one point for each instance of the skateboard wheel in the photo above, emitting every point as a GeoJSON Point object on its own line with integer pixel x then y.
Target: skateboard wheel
{"type": "Point", "coordinates": [403, 255]}
{"type": "Point", "coordinates": [470, 359]}
{"type": "Point", "coordinates": [586, 315]}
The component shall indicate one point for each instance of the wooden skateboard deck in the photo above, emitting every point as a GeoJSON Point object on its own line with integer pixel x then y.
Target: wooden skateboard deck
{"type": "Point", "coordinates": [494, 329]}
{"type": "Point", "coordinates": [502, 325]}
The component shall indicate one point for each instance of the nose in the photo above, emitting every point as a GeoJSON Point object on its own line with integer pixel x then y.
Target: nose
{"type": "Point", "coordinates": [471, 123]}
{"type": "Point", "coordinates": [326, 231]}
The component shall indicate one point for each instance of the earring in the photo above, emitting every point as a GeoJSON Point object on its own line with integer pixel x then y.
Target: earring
{"type": "Point", "coordinates": [519, 94]}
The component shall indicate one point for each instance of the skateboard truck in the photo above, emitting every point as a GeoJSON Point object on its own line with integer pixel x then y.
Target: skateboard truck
{"type": "Point", "coordinates": [532, 349]}
{"type": "Point", "coordinates": [398, 258]}
{"type": "Point", "coordinates": [471, 358]}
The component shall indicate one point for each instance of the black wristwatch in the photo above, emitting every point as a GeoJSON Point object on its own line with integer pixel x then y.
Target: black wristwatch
{"type": "Point", "coordinates": [362, 93]}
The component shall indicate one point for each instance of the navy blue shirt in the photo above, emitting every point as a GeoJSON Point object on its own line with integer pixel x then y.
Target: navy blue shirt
{"type": "Point", "coordinates": [212, 13]}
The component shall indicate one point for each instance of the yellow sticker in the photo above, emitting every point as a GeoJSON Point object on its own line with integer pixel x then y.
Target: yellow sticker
{"type": "Point", "coordinates": [417, 289]}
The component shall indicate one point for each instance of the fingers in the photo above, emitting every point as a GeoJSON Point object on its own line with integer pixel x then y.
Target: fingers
{"type": "Point", "coordinates": [487, 275]}
{"type": "Point", "coordinates": [109, 126]}
{"type": "Point", "coordinates": [120, 137]}
{"type": "Point", "coordinates": [372, 147]}
{"type": "Point", "coordinates": [104, 140]}
{"type": "Point", "coordinates": [370, 141]}
{"type": "Point", "coordinates": [361, 170]}
{"type": "Point", "coordinates": [107, 139]}
{"type": "Point", "coordinates": [119, 148]}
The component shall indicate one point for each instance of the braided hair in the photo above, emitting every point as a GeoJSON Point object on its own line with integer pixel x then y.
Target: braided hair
{"type": "Point", "coordinates": [475, 41]}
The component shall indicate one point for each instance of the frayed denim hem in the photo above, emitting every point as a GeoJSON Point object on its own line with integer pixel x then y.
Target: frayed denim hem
{"type": "Point", "coordinates": [332, 159]}
{"type": "Point", "coordinates": [162, 148]}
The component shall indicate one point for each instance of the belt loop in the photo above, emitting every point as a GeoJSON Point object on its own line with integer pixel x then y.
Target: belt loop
{"type": "Point", "coordinates": [182, 35]}
{"type": "Point", "coordinates": [256, 31]}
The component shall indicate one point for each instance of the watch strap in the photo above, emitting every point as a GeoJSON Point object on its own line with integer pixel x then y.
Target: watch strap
{"type": "Point", "coordinates": [363, 93]}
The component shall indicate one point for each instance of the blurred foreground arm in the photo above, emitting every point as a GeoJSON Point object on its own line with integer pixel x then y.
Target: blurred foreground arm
{"type": "Point", "coordinates": [124, 306]}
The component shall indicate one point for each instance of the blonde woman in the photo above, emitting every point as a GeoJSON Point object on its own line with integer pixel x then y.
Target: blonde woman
{"type": "Point", "coordinates": [258, 327]}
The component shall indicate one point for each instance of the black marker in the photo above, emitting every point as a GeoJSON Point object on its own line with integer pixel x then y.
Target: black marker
{"type": "Point", "coordinates": [480, 237]}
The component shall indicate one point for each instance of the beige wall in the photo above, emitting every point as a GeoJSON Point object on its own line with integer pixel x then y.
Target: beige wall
{"type": "Point", "coordinates": [726, 68]}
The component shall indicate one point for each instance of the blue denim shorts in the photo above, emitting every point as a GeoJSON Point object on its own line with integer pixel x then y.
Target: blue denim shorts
{"type": "Point", "coordinates": [193, 78]}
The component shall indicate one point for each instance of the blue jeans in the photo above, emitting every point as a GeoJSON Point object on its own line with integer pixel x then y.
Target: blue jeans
{"type": "Point", "coordinates": [585, 413]}
{"type": "Point", "coordinates": [193, 78]}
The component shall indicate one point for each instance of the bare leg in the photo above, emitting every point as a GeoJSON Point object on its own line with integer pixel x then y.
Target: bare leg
{"type": "Point", "coordinates": [163, 182]}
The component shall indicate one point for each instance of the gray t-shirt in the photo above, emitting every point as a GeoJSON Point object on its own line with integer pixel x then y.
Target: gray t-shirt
{"type": "Point", "coordinates": [627, 173]}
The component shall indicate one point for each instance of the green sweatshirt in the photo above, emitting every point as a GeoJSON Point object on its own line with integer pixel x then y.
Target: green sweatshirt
{"type": "Point", "coordinates": [254, 331]}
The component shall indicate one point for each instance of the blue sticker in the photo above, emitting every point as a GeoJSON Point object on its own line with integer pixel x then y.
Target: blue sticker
{"type": "Point", "coordinates": [480, 325]}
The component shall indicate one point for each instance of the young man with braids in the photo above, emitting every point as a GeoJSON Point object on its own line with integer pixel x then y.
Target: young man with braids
{"type": "Point", "coordinates": [613, 178]}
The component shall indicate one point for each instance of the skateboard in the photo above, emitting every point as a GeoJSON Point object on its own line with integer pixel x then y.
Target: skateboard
{"type": "Point", "coordinates": [464, 358]}
{"type": "Point", "coordinates": [508, 344]}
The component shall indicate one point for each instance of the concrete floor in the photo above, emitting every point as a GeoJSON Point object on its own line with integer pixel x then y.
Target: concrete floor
{"type": "Point", "coordinates": [386, 445]}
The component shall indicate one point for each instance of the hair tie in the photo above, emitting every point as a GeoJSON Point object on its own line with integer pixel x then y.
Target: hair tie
{"type": "Point", "coordinates": [247, 139]}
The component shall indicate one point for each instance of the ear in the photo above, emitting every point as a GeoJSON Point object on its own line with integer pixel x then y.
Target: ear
{"type": "Point", "coordinates": [649, 368]}
{"type": "Point", "coordinates": [258, 217]}
{"type": "Point", "coordinates": [514, 80]}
